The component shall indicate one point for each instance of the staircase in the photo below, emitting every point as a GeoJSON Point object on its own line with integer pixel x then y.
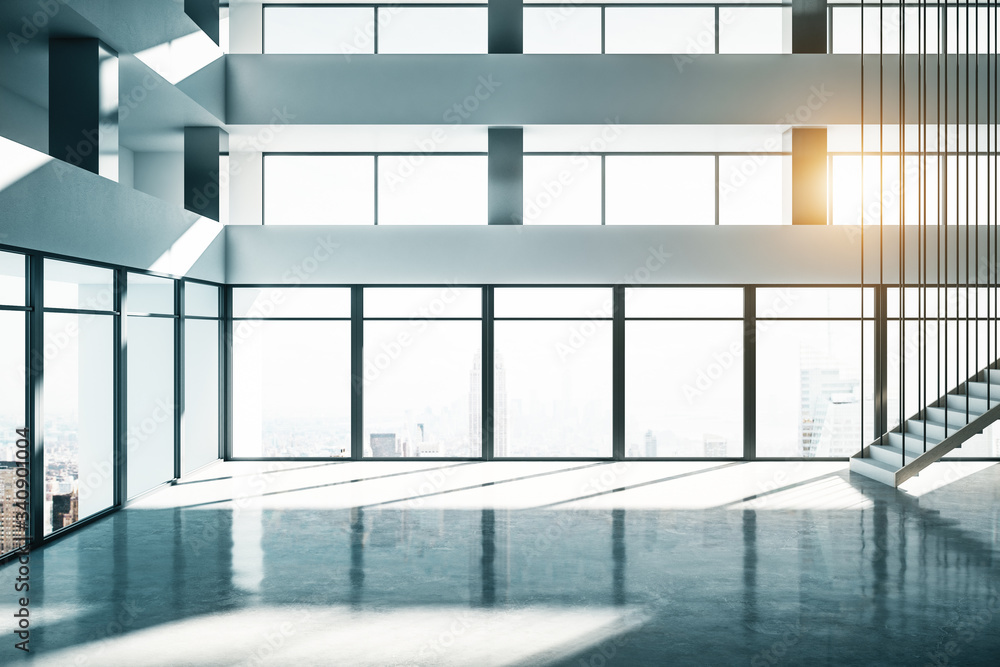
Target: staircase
{"type": "Point", "coordinates": [933, 432]}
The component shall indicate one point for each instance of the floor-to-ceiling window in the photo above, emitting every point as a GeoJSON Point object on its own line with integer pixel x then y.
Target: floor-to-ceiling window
{"type": "Point", "coordinates": [202, 389]}
{"type": "Point", "coordinates": [291, 372]}
{"type": "Point", "coordinates": [422, 372]}
{"type": "Point", "coordinates": [814, 397]}
{"type": "Point", "coordinates": [14, 450]}
{"type": "Point", "coordinates": [552, 385]}
{"type": "Point", "coordinates": [150, 406]}
{"type": "Point", "coordinates": [79, 365]}
{"type": "Point", "coordinates": [684, 372]}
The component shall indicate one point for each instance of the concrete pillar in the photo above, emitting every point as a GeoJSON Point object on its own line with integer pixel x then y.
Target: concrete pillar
{"type": "Point", "coordinates": [506, 27]}
{"type": "Point", "coordinates": [202, 146]}
{"type": "Point", "coordinates": [808, 175]}
{"type": "Point", "coordinates": [506, 176]}
{"type": "Point", "coordinates": [83, 105]}
{"type": "Point", "coordinates": [809, 26]}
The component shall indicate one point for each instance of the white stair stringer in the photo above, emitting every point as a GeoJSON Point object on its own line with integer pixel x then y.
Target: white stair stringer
{"type": "Point", "coordinates": [933, 432]}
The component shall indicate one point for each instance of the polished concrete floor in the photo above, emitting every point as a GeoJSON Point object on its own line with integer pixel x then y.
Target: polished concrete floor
{"type": "Point", "coordinates": [575, 564]}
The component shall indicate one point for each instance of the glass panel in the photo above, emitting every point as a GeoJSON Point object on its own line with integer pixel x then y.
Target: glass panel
{"type": "Point", "coordinates": [201, 300]}
{"type": "Point", "coordinates": [80, 286]}
{"type": "Point", "coordinates": [552, 389]}
{"type": "Point", "coordinates": [751, 30]}
{"type": "Point", "coordinates": [813, 302]}
{"type": "Point", "coordinates": [149, 294]}
{"type": "Point", "coordinates": [319, 190]}
{"type": "Point", "coordinates": [750, 189]}
{"type": "Point", "coordinates": [12, 268]}
{"type": "Point", "coordinates": [79, 417]}
{"type": "Point", "coordinates": [262, 302]}
{"type": "Point", "coordinates": [420, 380]}
{"type": "Point", "coordinates": [292, 389]}
{"type": "Point", "coordinates": [660, 190]}
{"type": "Point", "coordinates": [562, 190]}
{"type": "Point", "coordinates": [565, 29]}
{"type": "Point", "coordinates": [432, 190]}
{"type": "Point", "coordinates": [809, 401]}
{"type": "Point", "coordinates": [201, 394]}
{"type": "Point", "coordinates": [406, 302]}
{"type": "Point", "coordinates": [848, 196]}
{"type": "Point", "coordinates": [432, 30]}
{"type": "Point", "coordinates": [683, 302]}
{"type": "Point", "coordinates": [919, 38]}
{"type": "Point", "coordinates": [346, 30]}
{"type": "Point", "coordinates": [659, 30]}
{"type": "Point", "coordinates": [589, 302]}
{"type": "Point", "coordinates": [684, 389]}
{"type": "Point", "coordinates": [12, 417]}
{"type": "Point", "coordinates": [150, 403]}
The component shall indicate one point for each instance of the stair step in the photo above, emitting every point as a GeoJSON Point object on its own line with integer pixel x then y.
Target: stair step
{"type": "Point", "coordinates": [934, 430]}
{"type": "Point", "coordinates": [890, 455]}
{"type": "Point", "coordinates": [993, 375]}
{"type": "Point", "coordinates": [875, 469]}
{"type": "Point", "coordinates": [914, 444]}
{"type": "Point", "coordinates": [982, 389]}
{"type": "Point", "coordinates": [955, 418]}
{"type": "Point", "coordinates": [976, 406]}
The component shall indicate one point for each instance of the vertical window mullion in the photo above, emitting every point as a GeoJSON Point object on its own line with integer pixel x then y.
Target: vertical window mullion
{"type": "Point", "coordinates": [749, 373]}
{"type": "Point", "coordinates": [357, 373]}
{"type": "Point", "coordinates": [618, 372]}
{"type": "Point", "coordinates": [486, 409]}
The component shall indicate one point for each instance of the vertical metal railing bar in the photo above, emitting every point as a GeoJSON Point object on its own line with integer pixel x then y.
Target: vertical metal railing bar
{"type": "Point", "coordinates": [922, 205]}
{"type": "Point", "coordinates": [901, 120]}
{"type": "Point", "coordinates": [943, 193]}
{"type": "Point", "coordinates": [861, 219]}
{"type": "Point", "coordinates": [939, 160]}
{"type": "Point", "coordinates": [968, 337]}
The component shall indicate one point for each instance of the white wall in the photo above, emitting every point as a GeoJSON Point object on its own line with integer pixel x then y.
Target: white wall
{"type": "Point", "coordinates": [160, 174]}
{"type": "Point", "coordinates": [50, 206]}
{"type": "Point", "coordinates": [23, 121]}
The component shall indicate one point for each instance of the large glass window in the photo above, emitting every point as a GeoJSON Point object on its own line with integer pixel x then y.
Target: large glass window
{"type": "Point", "coordinates": [201, 371]}
{"type": "Point", "coordinates": [659, 30]}
{"type": "Point", "coordinates": [432, 29]}
{"type": "Point", "coordinates": [150, 406]}
{"type": "Point", "coordinates": [422, 372]}
{"type": "Point", "coordinates": [813, 397]}
{"type": "Point", "coordinates": [552, 377]}
{"type": "Point", "coordinates": [752, 29]}
{"type": "Point", "coordinates": [291, 377]}
{"type": "Point", "coordinates": [562, 189]}
{"type": "Point", "coordinates": [12, 399]}
{"type": "Point", "coordinates": [367, 29]}
{"type": "Point", "coordinates": [683, 372]}
{"type": "Point", "coordinates": [750, 189]}
{"type": "Point", "coordinates": [432, 190]}
{"type": "Point", "coordinates": [660, 190]}
{"type": "Point", "coordinates": [345, 30]}
{"type": "Point", "coordinates": [565, 29]}
{"type": "Point", "coordinates": [79, 393]}
{"type": "Point", "coordinates": [319, 189]}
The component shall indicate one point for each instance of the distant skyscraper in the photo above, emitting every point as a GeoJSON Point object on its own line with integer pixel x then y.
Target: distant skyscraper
{"type": "Point", "coordinates": [11, 525]}
{"type": "Point", "coordinates": [499, 406]}
{"type": "Point", "coordinates": [650, 445]}
{"type": "Point", "coordinates": [65, 510]}
{"type": "Point", "coordinates": [841, 432]}
{"type": "Point", "coordinates": [383, 445]}
{"type": "Point", "coordinates": [820, 378]}
{"type": "Point", "coordinates": [715, 445]}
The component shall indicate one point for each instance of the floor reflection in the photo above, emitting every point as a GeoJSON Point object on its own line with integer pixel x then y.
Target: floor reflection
{"type": "Point", "coordinates": [895, 580]}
